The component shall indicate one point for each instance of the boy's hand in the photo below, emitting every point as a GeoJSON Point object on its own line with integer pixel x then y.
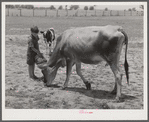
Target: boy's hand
{"type": "Point", "coordinates": [40, 54]}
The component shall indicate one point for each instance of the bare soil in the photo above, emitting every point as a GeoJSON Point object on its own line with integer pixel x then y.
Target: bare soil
{"type": "Point", "coordinates": [24, 93]}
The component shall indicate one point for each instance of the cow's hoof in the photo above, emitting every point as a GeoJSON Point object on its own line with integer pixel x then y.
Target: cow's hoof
{"type": "Point", "coordinates": [42, 80]}
{"type": "Point", "coordinates": [45, 84]}
{"type": "Point", "coordinates": [48, 85]}
{"type": "Point", "coordinates": [113, 92]}
{"type": "Point", "coordinates": [117, 99]}
{"type": "Point", "coordinates": [88, 86]}
{"type": "Point", "coordinates": [63, 87]}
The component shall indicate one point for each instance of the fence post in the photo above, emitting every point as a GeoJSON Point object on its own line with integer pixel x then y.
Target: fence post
{"type": "Point", "coordinates": [103, 13]}
{"type": "Point", "coordinates": [45, 12]}
{"type": "Point", "coordinates": [33, 12]}
{"type": "Point", "coordinates": [124, 12]}
{"type": "Point", "coordinates": [131, 13]}
{"type": "Point", "coordinates": [111, 13]}
{"type": "Point", "coordinates": [67, 12]}
{"type": "Point", "coordinates": [20, 11]}
{"type": "Point", "coordinates": [57, 12]}
{"type": "Point", "coordinates": [142, 13]}
{"type": "Point", "coordinates": [76, 13]}
{"type": "Point", "coordinates": [8, 11]}
{"type": "Point", "coordinates": [137, 13]}
{"type": "Point", "coordinates": [95, 12]}
{"type": "Point", "coordinates": [86, 13]}
{"type": "Point", "coordinates": [117, 13]}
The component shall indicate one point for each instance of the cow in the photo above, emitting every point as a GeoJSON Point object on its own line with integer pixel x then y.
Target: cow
{"type": "Point", "coordinates": [89, 45]}
{"type": "Point", "coordinates": [49, 37]}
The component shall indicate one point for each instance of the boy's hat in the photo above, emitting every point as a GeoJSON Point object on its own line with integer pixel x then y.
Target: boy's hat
{"type": "Point", "coordinates": [34, 29]}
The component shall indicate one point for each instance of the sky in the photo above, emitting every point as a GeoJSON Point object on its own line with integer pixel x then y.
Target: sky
{"type": "Point", "coordinates": [99, 5]}
{"type": "Point", "coordinates": [110, 7]}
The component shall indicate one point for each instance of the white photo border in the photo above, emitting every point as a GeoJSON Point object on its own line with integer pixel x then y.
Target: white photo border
{"type": "Point", "coordinates": [73, 114]}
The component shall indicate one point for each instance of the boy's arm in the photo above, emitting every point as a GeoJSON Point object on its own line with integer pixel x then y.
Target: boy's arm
{"type": "Point", "coordinates": [36, 51]}
{"type": "Point", "coordinates": [31, 45]}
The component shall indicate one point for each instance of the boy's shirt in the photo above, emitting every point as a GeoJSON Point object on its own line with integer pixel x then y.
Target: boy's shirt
{"type": "Point", "coordinates": [32, 42]}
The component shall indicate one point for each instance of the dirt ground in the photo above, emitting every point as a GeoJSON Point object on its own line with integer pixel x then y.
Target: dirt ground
{"type": "Point", "coordinates": [24, 93]}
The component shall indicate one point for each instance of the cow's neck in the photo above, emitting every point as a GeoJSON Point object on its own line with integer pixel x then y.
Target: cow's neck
{"type": "Point", "coordinates": [54, 59]}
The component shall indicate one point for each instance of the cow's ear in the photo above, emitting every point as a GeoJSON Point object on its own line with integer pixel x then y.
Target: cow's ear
{"type": "Point", "coordinates": [41, 31]}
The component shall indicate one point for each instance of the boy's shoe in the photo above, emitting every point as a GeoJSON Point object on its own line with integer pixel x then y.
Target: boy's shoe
{"type": "Point", "coordinates": [41, 78]}
{"type": "Point", "coordinates": [35, 78]}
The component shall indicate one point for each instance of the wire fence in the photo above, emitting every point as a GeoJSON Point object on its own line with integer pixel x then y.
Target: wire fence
{"type": "Point", "coordinates": [62, 13]}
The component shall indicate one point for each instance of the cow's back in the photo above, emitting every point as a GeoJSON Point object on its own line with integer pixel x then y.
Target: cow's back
{"type": "Point", "coordinates": [89, 44]}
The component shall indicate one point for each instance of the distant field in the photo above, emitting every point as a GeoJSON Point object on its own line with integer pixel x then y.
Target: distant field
{"type": "Point", "coordinates": [23, 93]}
{"type": "Point", "coordinates": [20, 25]}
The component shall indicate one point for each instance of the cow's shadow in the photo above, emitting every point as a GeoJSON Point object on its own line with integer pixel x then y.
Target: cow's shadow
{"type": "Point", "coordinates": [52, 85]}
{"type": "Point", "coordinates": [99, 94]}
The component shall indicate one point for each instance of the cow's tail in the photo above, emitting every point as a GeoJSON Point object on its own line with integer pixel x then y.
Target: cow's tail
{"type": "Point", "coordinates": [126, 66]}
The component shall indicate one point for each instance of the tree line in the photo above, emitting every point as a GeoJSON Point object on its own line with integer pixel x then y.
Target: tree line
{"type": "Point", "coordinates": [72, 7]}
{"type": "Point", "coordinates": [20, 6]}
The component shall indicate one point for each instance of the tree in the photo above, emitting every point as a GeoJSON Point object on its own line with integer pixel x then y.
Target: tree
{"type": "Point", "coordinates": [106, 9]}
{"type": "Point", "coordinates": [95, 9]}
{"type": "Point", "coordinates": [60, 7]}
{"type": "Point", "coordinates": [142, 7]}
{"type": "Point", "coordinates": [86, 8]}
{"type": "Point", "coordinates": [10, 6]}
{"type": "Point", "coordinates": [41, 7]}
{"type": "Point", "coordinates": [75, 7]}
{"type": "Point", "coordinates": [66, 10]}
{"type": "Point", "coordinates": [17, 6]}
{"type": "Point", "coordinates": [133, 9]}
{"type": "Point", "coordinates": [22, 6]}
{"type": "Point", "coordinates": [65, 7]}
{"type": "Point", "coordinates": [71, 7]}
{"type": "Point", "coordinates": [91, 8]}
{"type": "Point", "coordinates": [129, 9]}
{"type": "Point", "coordinates": [7, 6]}
{"type": "Point", "coordinates": [52, 7]}
{"type": "Point", "coordinates": [29, 6]}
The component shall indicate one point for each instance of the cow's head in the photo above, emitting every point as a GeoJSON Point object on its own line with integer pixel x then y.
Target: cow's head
{"type": "Point", "coordinates": [49, 73]}
{"type": "Point", "coordinates": [48, 35]}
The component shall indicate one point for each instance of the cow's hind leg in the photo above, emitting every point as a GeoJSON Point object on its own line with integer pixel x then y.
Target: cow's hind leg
{"type": "Point", "coordinates": [118, 80]}
{"type": "Point", "coordinates": [78, 69]}
{"type": "Point", "coordinates": [114, 90]}
{"type": "Point", "coordinates": [69, 68]}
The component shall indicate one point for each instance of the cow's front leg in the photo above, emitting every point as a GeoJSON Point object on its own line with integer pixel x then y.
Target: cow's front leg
{"type": "Point", "coordinates": [69, 68]}
{"type": "Point", "coordinates": [78, 69]}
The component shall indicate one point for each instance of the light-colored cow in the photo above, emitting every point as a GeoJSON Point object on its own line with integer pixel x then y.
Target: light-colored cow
{"type": "Point", "coordinates": [89, 45]}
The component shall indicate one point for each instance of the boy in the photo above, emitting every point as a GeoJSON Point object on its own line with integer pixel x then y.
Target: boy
{"type": "Point", "coordinates": [33, 50]}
